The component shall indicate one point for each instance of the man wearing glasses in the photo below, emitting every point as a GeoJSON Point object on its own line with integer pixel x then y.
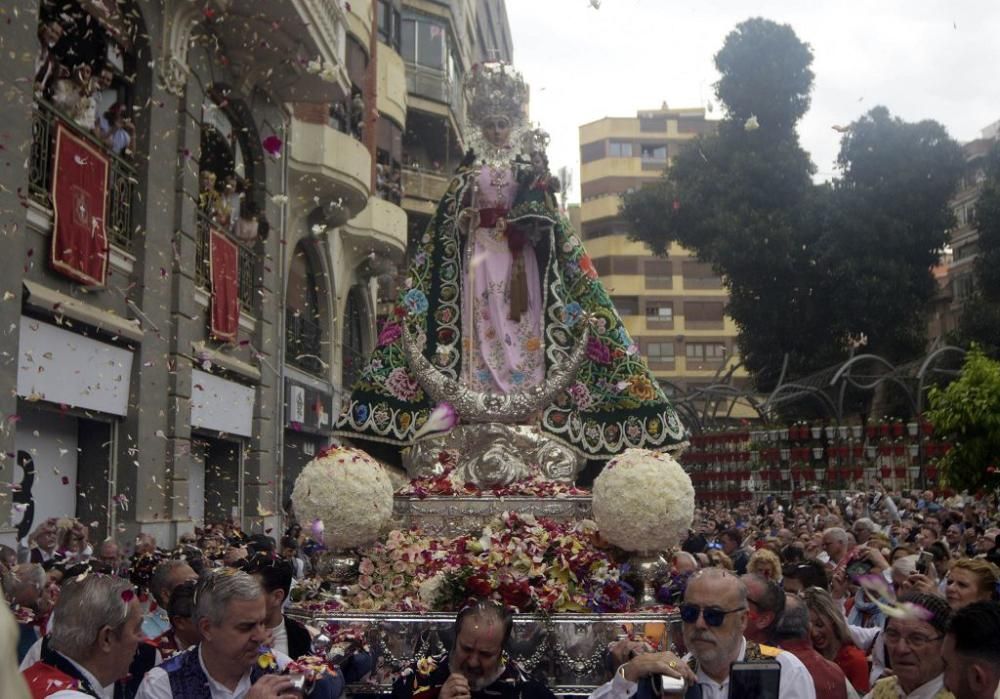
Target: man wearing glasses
{"type": "Point", "coordinates": [914, 647]}
{"type": "Point", "coordinates": [715, 616]}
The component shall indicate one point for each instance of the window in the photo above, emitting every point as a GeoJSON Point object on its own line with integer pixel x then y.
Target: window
{"type": "Point", "coordinates": [704, 311]}
{"type": "Point", "coordinates": [705, 351]}
{"type": "Point", "coordinates": [651, 123]}
{"type": "Point", "coordinates": [591, 151]}
{"type": "Point", "coordinates": [626, 305]}
{"type": "Point", "coordinates": [698, 275]}
{"type": "Point", "coordinates": [660, 310]}
{"type": "Point", "coordinates": [389, 24]}
{"type": "Point", "coordinates": [654, 152]}
{"type": "Point", "coordinates": [602, 265]}
{"type": "Point", "coordinates": [423, 42]}
{"type": "Point", "coordinates": [660, 351]}
{"type": "Point", "coordinates": [659, 274]}
{"type": "Point", "coordinates": [619, 149]}
{"type": "Point", "coordinates": [963, 287]}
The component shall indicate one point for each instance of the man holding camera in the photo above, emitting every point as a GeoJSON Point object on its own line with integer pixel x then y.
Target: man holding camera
{"type": "Point", "coordinates": [714, 615]}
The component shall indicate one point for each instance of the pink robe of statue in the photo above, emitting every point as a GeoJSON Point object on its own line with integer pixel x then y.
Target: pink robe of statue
{"type": "Point", "coordinates": [500, 355]}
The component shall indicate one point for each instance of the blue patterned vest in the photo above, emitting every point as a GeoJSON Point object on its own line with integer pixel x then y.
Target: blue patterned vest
{"type": "Point", "coordinates": [189, 681]}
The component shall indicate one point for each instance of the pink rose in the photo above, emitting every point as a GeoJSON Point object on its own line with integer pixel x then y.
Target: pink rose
{"type": "Point", "coordinates": [378, 590]}
{"type": "Point", "coordinates": [366, 567]}
{"type": "Point", "coordinates": [365, 582]}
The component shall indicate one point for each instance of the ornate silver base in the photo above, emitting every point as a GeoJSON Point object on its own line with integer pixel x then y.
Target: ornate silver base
{"type": "Point", "coordinates": [340, 568]}
{"type": "Point", "coordinates": [493, 453]}
{"type": "Point", "coordinates": [458, 515]}
{"type": "Point", "coordinates": [646, 570]}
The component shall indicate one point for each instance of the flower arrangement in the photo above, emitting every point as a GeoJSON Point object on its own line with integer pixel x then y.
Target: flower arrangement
{"type": "Point", "coordinates": [348, 492]}
{"type": "Point", "coordinates": [448, 483]}
{"type": "Point", "coordinates": [532, 564]}
{"type": "Point", "coordinates": [643, 501]}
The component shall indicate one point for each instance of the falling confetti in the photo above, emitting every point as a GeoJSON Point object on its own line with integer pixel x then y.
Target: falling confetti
{"type": "Point", "coordinates": [272, 146]}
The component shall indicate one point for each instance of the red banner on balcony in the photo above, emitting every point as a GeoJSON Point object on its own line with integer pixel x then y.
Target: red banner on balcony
{"type": "Point", "coordinates": [224, 261]}
{"type": "Point", "coordinates": [79, 203]}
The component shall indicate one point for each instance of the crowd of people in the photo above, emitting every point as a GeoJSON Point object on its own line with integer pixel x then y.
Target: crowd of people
{"type": "Point", "coordinates": [82, 89]}
{"type": "Point", "coordinates": [790, 583]}
{"type": "Point", "coordinates": [876, 594]}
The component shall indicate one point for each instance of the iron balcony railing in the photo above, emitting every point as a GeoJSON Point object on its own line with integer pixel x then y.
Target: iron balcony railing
{"type": "Point", "coordinates": [122, 179]}
{"type": "Point", "coordinates": [246, 266]}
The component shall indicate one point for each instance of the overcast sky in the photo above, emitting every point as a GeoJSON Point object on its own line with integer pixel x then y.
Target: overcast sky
{"type": "Point", "coordinates": [920, 58]}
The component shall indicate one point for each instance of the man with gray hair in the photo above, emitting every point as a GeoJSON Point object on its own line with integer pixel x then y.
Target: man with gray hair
{"type": "Point", "coordinates": [231, 660]}
{"type": "Point", "coordinates": [835, 544]}
{"type": "Point", "coordinates": [792, 635]}
{"type": "Point", "coordinates": [863, 529]}
{"type": "Point", "coordinates": [24, 586]}
{"type": "Point", "coordinates": [166, 576]}
{"type": "Point", "coordinates": [93, 640]}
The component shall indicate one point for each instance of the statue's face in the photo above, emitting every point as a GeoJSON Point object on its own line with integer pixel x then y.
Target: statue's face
{"type": "Point", "coordinates": [496, 130]}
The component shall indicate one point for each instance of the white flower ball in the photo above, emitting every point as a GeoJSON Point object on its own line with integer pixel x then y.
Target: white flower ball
{"type": "Point", "coordinates": [349, 492]}
{"type": "Point", "coordinates": [643, 501]}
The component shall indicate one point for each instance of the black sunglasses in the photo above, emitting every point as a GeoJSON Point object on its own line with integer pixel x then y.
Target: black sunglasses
{"type": "Point", "coordinates": [714, 616]}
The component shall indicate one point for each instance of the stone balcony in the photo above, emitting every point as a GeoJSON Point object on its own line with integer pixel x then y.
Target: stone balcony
{"type": "Point", "coordinates": [327, 167]}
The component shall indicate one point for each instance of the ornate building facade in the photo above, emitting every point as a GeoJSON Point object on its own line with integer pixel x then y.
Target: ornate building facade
{"type": "Point", "coordinates": [199, 205]}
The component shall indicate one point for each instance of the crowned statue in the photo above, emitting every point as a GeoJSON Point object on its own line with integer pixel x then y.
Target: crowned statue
{"type": "Point", "coordinates": [503, 316]}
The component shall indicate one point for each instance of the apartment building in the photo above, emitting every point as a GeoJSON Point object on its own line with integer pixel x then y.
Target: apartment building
{"type": "Point", "coordinates": [673, 306]}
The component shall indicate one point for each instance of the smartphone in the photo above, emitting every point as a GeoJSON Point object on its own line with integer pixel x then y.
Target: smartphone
{"type": "Point", "coordinates": [924, 563]}
{"type": "Point", "coordinates": [754, 680]}
{"type": "Point", "coordinates": [859, 568]}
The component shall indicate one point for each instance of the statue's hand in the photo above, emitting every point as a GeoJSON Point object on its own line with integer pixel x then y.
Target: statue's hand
{"type": "Point", "coordinates": [468, 220]}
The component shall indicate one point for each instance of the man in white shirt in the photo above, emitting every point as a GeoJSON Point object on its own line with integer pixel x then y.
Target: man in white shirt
{"type": "Point", "coordinates": [914, 647]}
{"type": "Point", "coordinates": [714, 615]}
{"type": "Point", "coordinates": [230, 613]}
{"type": "Point", "coordinates": [93, 640]}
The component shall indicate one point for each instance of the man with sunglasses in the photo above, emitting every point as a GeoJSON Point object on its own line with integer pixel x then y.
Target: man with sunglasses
{"type": "Point", "coordinates": [714, 616]}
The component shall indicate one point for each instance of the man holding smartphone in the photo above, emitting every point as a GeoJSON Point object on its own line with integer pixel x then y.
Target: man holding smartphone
{"type": "Point", "coordinates": [714, 615]}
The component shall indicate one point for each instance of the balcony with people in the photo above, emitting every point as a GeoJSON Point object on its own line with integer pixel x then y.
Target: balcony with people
{"type": "Point", "coordinates": [231, 218]}
{"type": "Point", "coordinates": [82, 161]}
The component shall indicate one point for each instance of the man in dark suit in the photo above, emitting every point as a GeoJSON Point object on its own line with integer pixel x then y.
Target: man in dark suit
{"type": "Point", "coordinates": [275, 576]}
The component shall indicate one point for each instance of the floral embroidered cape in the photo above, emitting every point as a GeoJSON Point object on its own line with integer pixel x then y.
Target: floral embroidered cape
{"type": "Point", "coordinates": [888, 688]}
{"type": "Point", "coordinates": [614, 404]}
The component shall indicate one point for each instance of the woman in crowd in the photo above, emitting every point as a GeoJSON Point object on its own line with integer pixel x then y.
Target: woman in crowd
{"type": "Point", "coordinates": [832, 640]}
{"type": "Point", "coordinates": [765, 563]}
{"type": "Point", "coordinates": [971, 580]}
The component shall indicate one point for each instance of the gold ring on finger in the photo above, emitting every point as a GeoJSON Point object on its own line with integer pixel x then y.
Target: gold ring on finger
{"type": "Point", "coordinates": [673, 664]}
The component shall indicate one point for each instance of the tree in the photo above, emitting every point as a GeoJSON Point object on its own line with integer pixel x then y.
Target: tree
{"type": "Point", "coordinates": [980, 319]}
{"type": "Point", "coordinates": [807, 266]}
{"type": "Point", "coordinates": [967, 412]}
{"type": "Point", "coordinates": [890, 216]}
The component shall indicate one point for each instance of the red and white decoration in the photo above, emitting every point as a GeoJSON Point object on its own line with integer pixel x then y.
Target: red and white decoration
{"type": "Point", "coordinates": [79, 196]}
{"type": "Point", "coordinates": [224, 261]}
